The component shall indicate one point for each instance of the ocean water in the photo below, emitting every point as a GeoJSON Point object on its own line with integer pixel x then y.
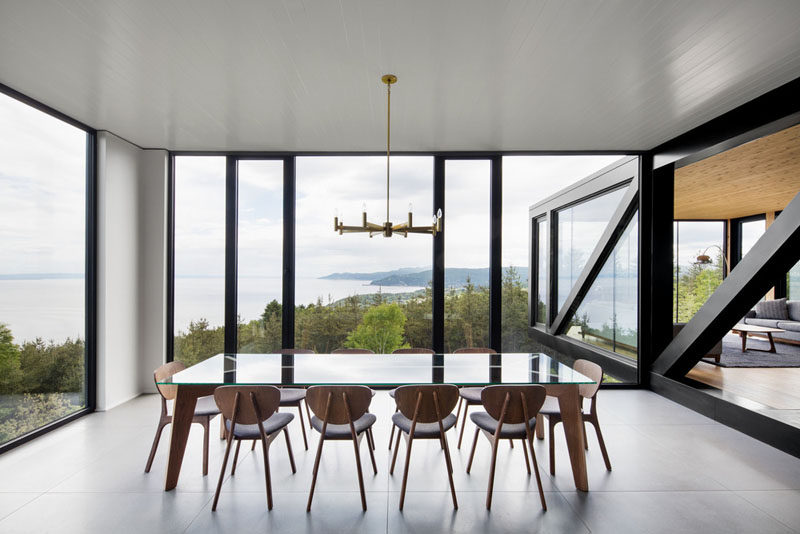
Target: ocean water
{"type": "Point", "coordinates": [54, 309]}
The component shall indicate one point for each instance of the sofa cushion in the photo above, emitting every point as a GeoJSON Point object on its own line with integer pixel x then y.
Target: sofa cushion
{"type": "Point", "coordinates": [772, 309]}
{"type": "Point", "coordinates": [771, 323]}
{"type": "Point", "coordinates": [793, 307]}
{"type": "Point", "coordinates": [790, 326]}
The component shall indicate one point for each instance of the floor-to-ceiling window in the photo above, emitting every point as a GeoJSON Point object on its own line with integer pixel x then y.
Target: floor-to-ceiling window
{"type": "Point", "coordinates": [353, 290]}
{"type": "Point", "coordinates": [698, 265]}
{"type": "Point", "coordinates": [43, 229]}
{"type": "Point", "coordinates": [199, 249]}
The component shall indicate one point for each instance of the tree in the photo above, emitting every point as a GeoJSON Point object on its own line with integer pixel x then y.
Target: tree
{"type": "Point", "coordinates": [381, 330]}
{"type": "Point", "coordinates": [9, 362]}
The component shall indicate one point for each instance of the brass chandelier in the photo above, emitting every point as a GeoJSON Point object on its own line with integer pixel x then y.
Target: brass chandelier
{"type": "Point", "coordinates": [387, 228]}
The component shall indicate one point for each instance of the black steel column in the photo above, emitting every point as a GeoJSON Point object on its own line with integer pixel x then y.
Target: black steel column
{"type": "Point", "coordinates": [90, 354]}
{"type": "Point", "coordinates": [289, 194]}
{"type": "Point", "coordinates": [495, 255]}
{"type": "Point", "coordinates": [437, 276]}
{"type": "Point", "coordinates": [231, 231]}
{"type": "Point", "coordinates": [552, 269]}
{"type": "Point", "coordinates": [170, 326]}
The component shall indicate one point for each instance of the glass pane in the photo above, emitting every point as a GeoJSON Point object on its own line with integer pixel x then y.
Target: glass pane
{"type": "Point", "coordinates": [199, 257]}
{"type": "Point", "coordinates": [751, 232]}
{"type": "Point", "coordinates": [579, 229]}
{"type": "Point", "coordinates": [527, 180]}
{"type": "Point", "coordinates": [693, 279]}
{"type": "Point", "coordinates": [353, 290]}
{"type": "Point", "coordinates": [466, 257]}
{"type": "Point", "coordinates": [42, 273]}
{"type": "Point", "coordinates": [607, 316]}
{"type": "Point", "coordinates": [260, 261]}
{"type": "Point", "coordinates": [793, 283]}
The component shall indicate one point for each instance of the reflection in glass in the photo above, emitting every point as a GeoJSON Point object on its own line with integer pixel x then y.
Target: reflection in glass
{"type": "Point", "coordinates": [260, 265]}
{"type": "Point", "coordinates": [542, 258]}
{"type": "Point", "coordinates": [694, 283]}
{"type": "Point", "coordinates": [579, 229]}
{"type": "Point", "coordinates": [199, 257]}
{"type": "Point", "coordinates": [42, 272]}
{"type": "Point", "coordinates": [608, 315]}
{"type": "Point", "coordinates": [467, 222]}
{"type": "Point", "coordinates": [793, 283]}
{"type": "Point", "coordinates": [353, 290]}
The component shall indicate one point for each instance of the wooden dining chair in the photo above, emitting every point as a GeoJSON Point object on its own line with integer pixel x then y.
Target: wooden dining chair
{"type": "Point", "coordinates": [392, 392]}
{"type": "Point", "coordinates": [340, 413]}
{"type": "Point", "coordinates": [204, 411]}
{"type": "Point", "coordinates": [469, 396]}
{"type": "Point", "coordinates": [352, 351]}
{"type": "Point", "coordinates": [251, 412]}
{"type": "Point", "coordinates": [552, 411]}
{"type": "Point", "coordinates": [510, 414]}
{"type": "Point", "coordinates": [424, 412]}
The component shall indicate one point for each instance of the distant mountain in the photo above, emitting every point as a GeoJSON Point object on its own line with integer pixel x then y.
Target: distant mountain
{"type": "Point", "coordinates": [413, 277]}
{"type": "Point", "coordinates": [41, 276]}
{"type": "Point", "coordinates": [371, 276]}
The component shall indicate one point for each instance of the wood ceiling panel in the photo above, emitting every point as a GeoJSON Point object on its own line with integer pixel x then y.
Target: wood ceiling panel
{"type": "Point", "coordinates": [757, 177]}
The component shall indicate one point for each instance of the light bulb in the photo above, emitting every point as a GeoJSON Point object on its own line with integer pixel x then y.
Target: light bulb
{"type": "Point", "coordinates": [410, 207]}
{"type": "Point", "coordinates": [336, 212]}
{"type": "Point", "coordinates": [363, 207]}
{"type": "Point", "coordinates": [439, 213]}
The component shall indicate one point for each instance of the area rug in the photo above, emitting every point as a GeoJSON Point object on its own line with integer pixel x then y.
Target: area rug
{"type": "Point", "coordinates": [732, 355]}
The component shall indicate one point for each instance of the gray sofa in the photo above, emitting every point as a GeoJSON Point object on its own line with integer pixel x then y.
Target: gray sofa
{"type": "Point", "coordinates": [779, 313]}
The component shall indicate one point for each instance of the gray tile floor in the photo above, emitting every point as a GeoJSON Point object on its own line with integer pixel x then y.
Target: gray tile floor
{"type": "Point", "coordinates": [674, 471]}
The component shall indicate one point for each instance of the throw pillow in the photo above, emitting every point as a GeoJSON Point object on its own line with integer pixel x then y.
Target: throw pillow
{"type": "Point", "coordinates": [772, 309]}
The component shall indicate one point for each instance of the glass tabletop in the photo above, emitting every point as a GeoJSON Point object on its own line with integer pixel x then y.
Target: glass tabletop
{"type": "Point", "coordinates": [379, 370]}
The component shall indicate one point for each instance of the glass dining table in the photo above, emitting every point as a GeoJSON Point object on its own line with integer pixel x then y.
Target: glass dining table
{"type": "Point", "coordinates": [379, 370]}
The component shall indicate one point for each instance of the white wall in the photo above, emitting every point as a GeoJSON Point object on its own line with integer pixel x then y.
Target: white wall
{"type": "Point", "coordinates": [131, 213]}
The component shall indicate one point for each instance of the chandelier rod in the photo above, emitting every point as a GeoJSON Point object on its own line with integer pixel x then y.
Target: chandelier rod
{"type": "Point", "coordinates": [388, 140]}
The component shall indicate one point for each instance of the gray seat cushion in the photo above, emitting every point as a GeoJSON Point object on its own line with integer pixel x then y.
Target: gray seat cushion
{"type": "Point", "coordinates": [771, 323]}
{"type": "Point", "coordinates": [793, 307]}
{"type": "Point", "coordinates": [772, 309]}
{"type": "Point", "coordinates": [471, 395]}
{"type": "Point", "coordinates": [275, 423]}
{"type": "Point", "coordinates": [291, 396]}
{"type": "Point", "coordinates": [550, 406]}
{"type": "Point", "coordinates": [790, 326]}
{"type": "Point", "coordinates": [343, 431]}
{"type": "Point", "coordinates": [423, 430]}
{"type": "Point", "coordinates": [205, 406]}
{"type": "Point", "coordinates": [486, 422]}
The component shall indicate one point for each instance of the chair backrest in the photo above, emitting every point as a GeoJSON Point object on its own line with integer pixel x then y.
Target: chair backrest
{"type": "Point", "coordinates": [518, 402]}
{"type": "Point", "coordinates": [164, 372]}
{"type": "Point", "coordinates": [414, 351]}
{"type": "Point", "coordinates": [247, 405]}
{"type": "Point", "coordinates": [296, 351]}
{"type": "Point", "coordinates": [590, 370]}
{"type": "Point", "coordinates": [474, 350]}
{"type": "Point", "coordinates": [338, 405]}
{"type": "Point", "coordinates": [352, 351]}
{"type": "Point", "coordinates": [425, 400]}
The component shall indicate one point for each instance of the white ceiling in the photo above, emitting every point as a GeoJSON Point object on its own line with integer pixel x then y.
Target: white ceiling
{"type": "Point", "coordinates": [473, 74]}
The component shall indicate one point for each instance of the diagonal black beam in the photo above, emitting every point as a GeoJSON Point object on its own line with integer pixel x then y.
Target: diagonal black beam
{"type": "Point", "coordinates": [603, 249]}
{"type": "Point", "coordinates": [772, 255]}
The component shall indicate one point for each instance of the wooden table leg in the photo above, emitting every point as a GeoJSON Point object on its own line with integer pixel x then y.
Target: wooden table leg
{"type": "Point", "coordinates": [771, 343]}
{"type": "Point", "coordinates": [569, 401]}
{"type": "Point", "coordinates": [743, 335]}
{"type": "Point", "coordinates": [182, 415]}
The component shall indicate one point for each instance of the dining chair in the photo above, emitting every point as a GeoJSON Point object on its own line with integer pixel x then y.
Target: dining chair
{"type": "Point", "coordinates": [425, 411]}
{"type": "Point", "coordinates": [552, 411]}
{"type": "Point", "coordinates": [392, 392]}
{"type": "Point", "coordinates": [510, 414]}
{"type": "Point", "coordinates": [204, 411]}
{"type": "Point", "coordinates": [251, 412]}
{"type": "Point", "coordinates": [346, 350]}
{"type": "Point", "coordinates": [469, 396]}
{"type": "Point", "coordinates": [340, 413]}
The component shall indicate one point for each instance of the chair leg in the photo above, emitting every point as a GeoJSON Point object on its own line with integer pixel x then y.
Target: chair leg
{"type": "Point", "coordinates": [602, 443]}
{"type": "Point", "coordinates": [539, 426]}
{"type": "Point", "coordinates": [458, 410]}
{"type": "Point", "coordinates": [265, 448]}
{"type": "Point", "coordinates": [205, 445]}
{"type": "Point", "coordinates": [585, 438]}
{"type": "Point", "coordinates": [154, 447]}
{"type": "Point", "coordinates": [552, 445]}
{"type": "Point", "coordinates": [316, 470]}
{"type": "Point", "coordinates": [511, 443]}
{"type": "Point", "coordinates": [405, 471]}
{"type": "Point", "coordinates": [396, 447]}
{"type": "Point", "coordinates": [302, 425]}
{"type": "Point", "coordinates": [289, 448]}
{"type": "Point", "coordinates": [525, 450]}
{"type": "Point", "coordinates": [360, 474]}
{"type": "Point", "coordinates": [490, 488]}
{"type": "Point", "coordinates": [536, 470]}
{"type": "Point", "coordinates": [222, 433]}
{"type": "Point", "coordinates": [253, 447]}
{"type": "Point", "coordinates": [308, 414]}
{"type": "Point", "coordinates": [222, 473]}
{"type": "Point", "coordinates": [449, 465]}
{"type": "Point", "coordinates": [372, 457]}
{"type": "Point", "coordinates": [236, 457]}
{"type": "Point", "coordinates": [463, 424]}
{"type": "Point", "coordinates": [371, 438]}
{"type": "Point", "coordinates": [474, 445]}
